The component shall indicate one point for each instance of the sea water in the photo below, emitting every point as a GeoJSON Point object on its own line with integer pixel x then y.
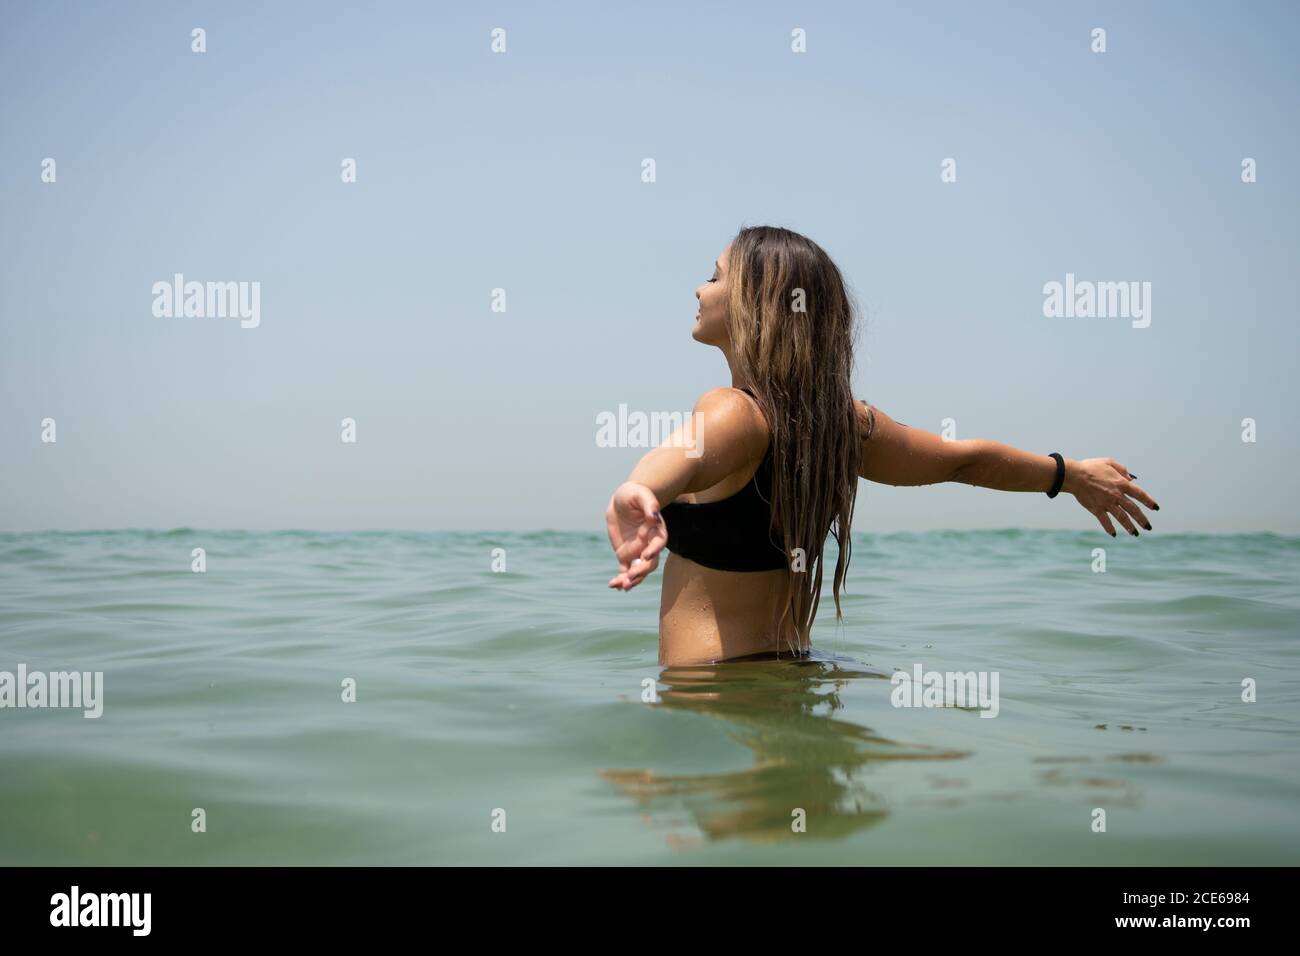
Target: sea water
{"type": "Point", "coordinates": [484, 698]}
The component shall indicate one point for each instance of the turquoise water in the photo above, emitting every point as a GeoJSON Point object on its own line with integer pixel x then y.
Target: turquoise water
{"type": "Point", "coordinates": [521, 691]}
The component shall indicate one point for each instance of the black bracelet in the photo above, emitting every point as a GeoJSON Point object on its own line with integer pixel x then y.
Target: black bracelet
{"type": "Point", "coordinates": [1060, 475]}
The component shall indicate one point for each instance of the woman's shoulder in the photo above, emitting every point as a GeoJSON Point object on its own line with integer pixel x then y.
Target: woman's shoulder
{"type": "Point", "coordinates": [732, 414]}
{"type": "Point", "coordinates": [736, 406]}
{"type": "Point", "coordinates": [866, 419]}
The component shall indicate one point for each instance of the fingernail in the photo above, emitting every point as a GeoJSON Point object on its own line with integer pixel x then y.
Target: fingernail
{"type": "Point", "coordinates": [1131, 475]}
{"type": "Point", "coordinates": [1112, 534]}
{"type": "Point", "coordinates": [1136, 533]}
{"type": "Point", "coordinates": [1147, 526]}
{"type": "Point", "coordinates": [1156, 507]}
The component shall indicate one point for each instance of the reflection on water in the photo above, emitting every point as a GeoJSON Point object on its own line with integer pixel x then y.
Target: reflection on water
{"type": "Point", "coordinates": [805, 757]}
{"type": "Point", "coordinates": [1079, 773]}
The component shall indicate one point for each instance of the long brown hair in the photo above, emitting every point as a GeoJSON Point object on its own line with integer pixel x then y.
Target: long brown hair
{"type": "Point", "coordinates": [792, 322]}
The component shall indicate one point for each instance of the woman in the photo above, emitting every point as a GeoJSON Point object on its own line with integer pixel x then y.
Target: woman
{"type": "Point", "coordinates": [745, 503]}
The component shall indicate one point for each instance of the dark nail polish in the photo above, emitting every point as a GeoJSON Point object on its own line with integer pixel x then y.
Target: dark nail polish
{"type": "Point", "coordinates": [1112, 534]}
{"type": "Point", "coordinates": [1156, 507]}
{"type": "Point", "coordinates": [1136, 533]}
{"type": "Point", "coordinates": [1147, 526]}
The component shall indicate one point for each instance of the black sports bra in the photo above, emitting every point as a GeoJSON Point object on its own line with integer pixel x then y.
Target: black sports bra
{"type": "Point", "coordinates": [731, 534]}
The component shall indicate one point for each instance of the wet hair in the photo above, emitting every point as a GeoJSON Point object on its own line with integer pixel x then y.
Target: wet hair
{"type": "Point", "coordinates": [793, 326]}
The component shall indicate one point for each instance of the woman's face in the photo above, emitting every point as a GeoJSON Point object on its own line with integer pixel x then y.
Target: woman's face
{"type": "Point", "coordinates": [711, 322]}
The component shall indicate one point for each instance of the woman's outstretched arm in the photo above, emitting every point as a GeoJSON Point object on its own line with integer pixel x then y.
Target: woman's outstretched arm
{"type": "Point", "coordinates": [894, 454]}
{"type": "Point", "coordinates": [726, 434]}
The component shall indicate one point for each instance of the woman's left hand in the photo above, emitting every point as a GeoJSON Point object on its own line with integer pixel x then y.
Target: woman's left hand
{"type": "Point", "coordinates": [637, 533]}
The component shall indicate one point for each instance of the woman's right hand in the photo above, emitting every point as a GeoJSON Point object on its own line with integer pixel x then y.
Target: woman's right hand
{"type": "Point", "coordinates": [637, 533]}
{"type": "Point", "coordinates": [1103, 486]}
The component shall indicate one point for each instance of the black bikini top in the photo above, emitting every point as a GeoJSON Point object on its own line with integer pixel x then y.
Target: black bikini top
{"type": "Point", "coordinates": [731, 534]}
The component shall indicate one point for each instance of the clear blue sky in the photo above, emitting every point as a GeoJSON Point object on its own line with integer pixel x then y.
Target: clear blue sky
{"type": "Point", "coordinates": [522, 171]}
